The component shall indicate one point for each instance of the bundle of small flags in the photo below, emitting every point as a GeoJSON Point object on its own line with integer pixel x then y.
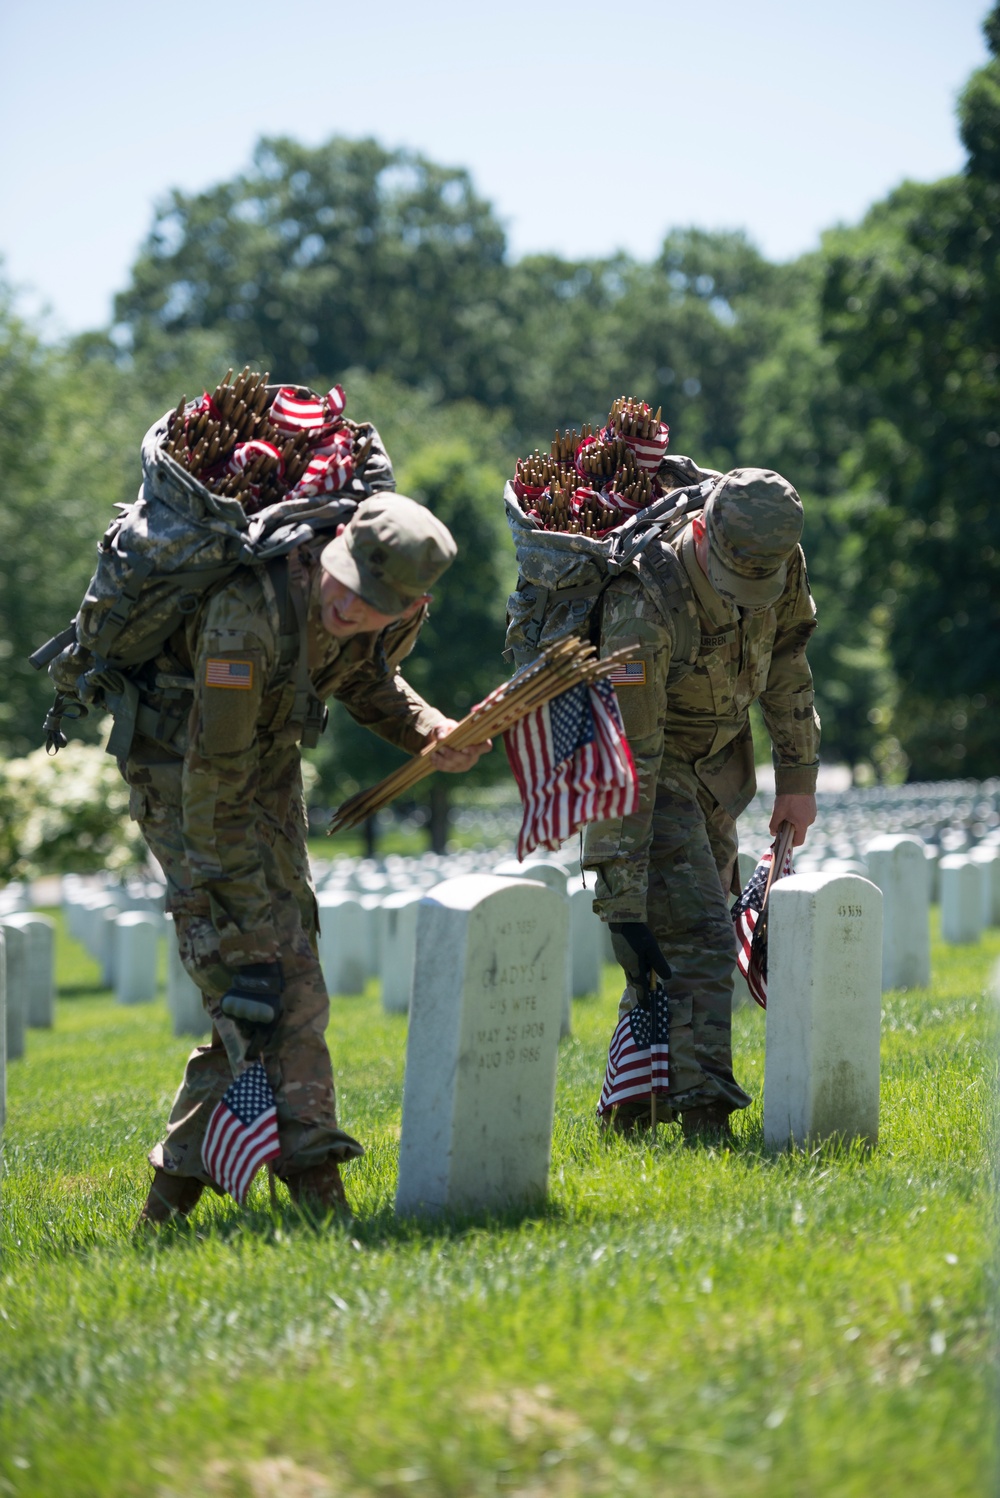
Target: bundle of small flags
{"type": "Point", "coordinates": [564, 737]}
{"type": "Point", "coordinates": [242, 1133]}
{"type": "Point", "coordinates": [591, 481]}
{"type": "Point", "coordinates": [639, 1055]}
{"type": "Point", "coordinates": [749, 913]}
{"type": "Point", "coordinates": [572, 764]}
{"type": "Point", "coordinates": [242, 444]}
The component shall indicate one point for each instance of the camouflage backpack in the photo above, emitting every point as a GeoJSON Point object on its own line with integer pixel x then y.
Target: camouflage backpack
{"type": "Point", "coordinates": [156, 562]}
{"type": "Point", "coordinates": [562, 576]}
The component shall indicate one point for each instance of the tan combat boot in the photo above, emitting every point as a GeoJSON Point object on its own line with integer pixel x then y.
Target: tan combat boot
{"type": "Point", "coordinates": [318, 1189]}
{"type": "Point", "coordinates": [170, 1199]}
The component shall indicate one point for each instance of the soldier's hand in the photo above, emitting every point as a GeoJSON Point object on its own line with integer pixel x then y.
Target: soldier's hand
{"type": "Point", "coordinates": [254, 995]}
{"type": "Point", "coordinates": [456, 760]}
{"type": "Point", "coordinates": [798, 809]}
{"type": "Point", "coordinates": [638, 950]}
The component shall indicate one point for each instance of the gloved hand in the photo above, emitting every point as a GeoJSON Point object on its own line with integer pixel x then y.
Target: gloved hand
{"type": "Point", "coordinates": [254, 995]}
{"type": "Point", "coordinates": [638, 950]}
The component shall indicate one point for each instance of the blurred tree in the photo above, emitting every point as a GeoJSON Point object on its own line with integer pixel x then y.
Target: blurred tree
{"type": "Point", "coordinates": [911, 306]}
{"type": "Point", "coordinates": [320, 259]}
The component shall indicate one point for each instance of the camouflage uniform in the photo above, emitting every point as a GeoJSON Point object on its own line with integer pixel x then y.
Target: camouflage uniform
{"type": "Point", "coordinates": [222, 810]}
{"type": "Point", "coordinates": [671, 863]}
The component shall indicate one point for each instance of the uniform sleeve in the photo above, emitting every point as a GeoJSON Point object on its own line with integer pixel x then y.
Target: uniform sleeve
{"type": "Point", "coordinates": [787, 701]}
{"type": "Point", "coordinates": [377, 696]}
{"type": "Point", "coordinates": [233, 654]}
{"type": "Point", "coordinates": [618, 851]}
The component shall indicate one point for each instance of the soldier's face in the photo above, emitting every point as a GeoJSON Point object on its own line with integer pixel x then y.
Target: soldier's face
{"type": "Point", "coordinates": [345, 614]}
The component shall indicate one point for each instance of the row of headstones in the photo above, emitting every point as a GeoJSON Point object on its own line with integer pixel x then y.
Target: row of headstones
{"type": "Point", "coordinates": [487, 1009]}
{"type": "Point", "coordinates": [488, 1006]}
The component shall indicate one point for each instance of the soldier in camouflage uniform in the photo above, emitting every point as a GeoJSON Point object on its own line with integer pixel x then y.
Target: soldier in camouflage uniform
{"type": "Point", "coordinates": [222, 810]}
{"type": "Point", "coordinates": [665, 872]}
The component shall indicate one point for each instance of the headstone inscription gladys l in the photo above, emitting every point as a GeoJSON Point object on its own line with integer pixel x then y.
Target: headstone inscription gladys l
{"type": "Point", "coordinates": [555, 876]}
{"type": "Point", "coordinates": [824, 1006]}
{"type": "Point", "coordinates": [479, 1093]}
{"type": "Point", "coordinates": [897, 863]}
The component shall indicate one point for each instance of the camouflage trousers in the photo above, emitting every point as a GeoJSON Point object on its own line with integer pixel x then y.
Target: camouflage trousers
{"type": "Point", "coordinates": [295, 1054]}
{"type": "Point", "coordinates": [691, 862]}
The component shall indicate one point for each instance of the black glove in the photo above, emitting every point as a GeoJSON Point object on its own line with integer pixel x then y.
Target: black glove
{"type": "Point", "coordinates": [637, 942]}
{"type": "Point", "coordinates": [254, 995]}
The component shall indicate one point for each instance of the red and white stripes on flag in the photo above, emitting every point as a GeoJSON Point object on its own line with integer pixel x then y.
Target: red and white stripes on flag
{"type": "Point", "coordinates": [291, 412]}
{"type": "Point", "coordinates": [746, 914]}
{"type": "Point", "coordinates": [639, 1055]}
{"type": "Point", "coordinates": [572, 764]}
{"type": "Point", "coordinates": [649, 450]}
{"type": "Point", "coordinates": [330, 468]}
{"type": "Point", "coordinates": [242, 1133]}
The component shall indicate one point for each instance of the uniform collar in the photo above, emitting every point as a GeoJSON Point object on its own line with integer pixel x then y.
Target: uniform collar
{"type": "Point", "coordinates": [711, 604]}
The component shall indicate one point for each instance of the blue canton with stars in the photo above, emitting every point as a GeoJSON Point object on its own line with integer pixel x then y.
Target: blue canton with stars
{"type": "Point", "coordinates": [572, 723]}
{"type": "Point", "coordinates": [651, 1026]}
{"type": "Point", "coordinates": [250, 1095]}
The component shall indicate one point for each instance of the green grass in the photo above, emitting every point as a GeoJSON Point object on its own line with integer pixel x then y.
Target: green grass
{"type": "Point", "coordinates": [670, 1322]}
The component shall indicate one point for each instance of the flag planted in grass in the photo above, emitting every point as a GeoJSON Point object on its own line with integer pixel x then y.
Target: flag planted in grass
{"type": "Point", "coordinates": [638, 1056]}
{"type": "Point", "coordinates": [750, 913]}
{"type": "Point", "coordinates": [242, 1133]}
{"type": "Point", "coordinates": [572, 764]}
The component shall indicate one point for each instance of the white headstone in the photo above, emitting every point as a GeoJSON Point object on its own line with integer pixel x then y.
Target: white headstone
{"type": "Point", "coordinates": [39, 979]}
{"type": "Point", "coordinates": [184, 998]}
{"type": "Point", "coordinates": [961, 899]}
{"type": "Point", "coordinates": [898, 865]}
{"type": "Point", "coordinates": [399, 945]}
{"type": "Point", "coordinates": [824, 1004]}
{"type": "Point", "coordinates": [344, 942]}
{"type": "Point", "coordinates": [479, 1093]}
{"type": "Point", "coordinates": [371, 903]}
{"type": "Point", "coordinates": [586, 941]}
{"type": "Point", "coordinates": [16, 945]}
{"type": "Point", "coordinates": [987, 855]}
{"type": "Point", "coordinates": [555, 876]}
{"type": "Point", "coordinates": [136, 940]}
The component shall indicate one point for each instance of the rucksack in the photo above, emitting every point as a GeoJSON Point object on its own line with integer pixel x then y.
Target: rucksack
{"type": "Point", "coordinates": [157, 561]}
{"type": "Point", "coordinates": [562, 576]}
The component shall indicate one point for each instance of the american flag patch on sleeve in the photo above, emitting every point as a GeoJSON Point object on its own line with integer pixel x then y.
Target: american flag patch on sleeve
{"type": "Point", "coordinates": [222, 673]}
{"type": "Point", "coordinates": [631, 674]}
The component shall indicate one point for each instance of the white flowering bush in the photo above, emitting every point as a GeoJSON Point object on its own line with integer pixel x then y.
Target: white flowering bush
{"type": "Point", "coordinates": [68, 812]}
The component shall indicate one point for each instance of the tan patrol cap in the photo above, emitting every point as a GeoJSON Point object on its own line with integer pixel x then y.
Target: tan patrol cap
{"type": "Point", "coordinates": [392, 551]}
{"type": "Point", "coordinates": [753, 519]}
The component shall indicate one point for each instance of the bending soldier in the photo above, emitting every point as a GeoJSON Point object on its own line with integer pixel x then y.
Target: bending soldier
{"type": "Point", "coordinates": [222, 810]}
{"type": "Point", "coordinates": [737, 632]}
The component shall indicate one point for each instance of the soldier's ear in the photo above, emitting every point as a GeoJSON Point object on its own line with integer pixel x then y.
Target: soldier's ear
{"type": "Point", "coordinates": [416, 606]}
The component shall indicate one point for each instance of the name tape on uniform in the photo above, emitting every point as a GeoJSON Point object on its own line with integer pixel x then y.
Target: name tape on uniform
{"type": "Point", "coordinates": [631, 674]}
{"type": "Point", "coordinates": [223, 673]}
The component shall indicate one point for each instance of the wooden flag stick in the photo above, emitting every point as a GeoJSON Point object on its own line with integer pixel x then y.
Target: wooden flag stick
{"type": "Point", "coordinates": [566, 664]}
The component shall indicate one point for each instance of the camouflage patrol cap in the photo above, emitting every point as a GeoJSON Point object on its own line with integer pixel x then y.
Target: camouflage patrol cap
{"type": "Point", "coordinates": [753, 519]}
{"type": "Point", "coordinates": [391, 552]}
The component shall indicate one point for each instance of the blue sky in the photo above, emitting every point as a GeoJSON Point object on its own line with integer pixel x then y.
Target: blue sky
{"type": "Point", "coordinates": [778, 118]}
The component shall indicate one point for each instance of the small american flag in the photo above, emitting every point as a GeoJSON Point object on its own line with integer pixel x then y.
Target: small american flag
{"type": "Point", "coordinates": [572, 764]}
{"type": "Point", "coordinates": [296, 413]}
{"type": "Point", "coordinates": [638, 1056]}
{"type": "Point", "coordinates": [220, 672]}
{"type": "Point", "coordinates": [242, 1133]}
{"type": "Point", "coordinates": [751, 930]}
{"type": "Point", "coordinates": [630, 674]}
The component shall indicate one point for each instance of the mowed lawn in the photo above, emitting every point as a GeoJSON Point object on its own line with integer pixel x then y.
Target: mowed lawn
{"type": "Point", "coordinates": [670, 1321]}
